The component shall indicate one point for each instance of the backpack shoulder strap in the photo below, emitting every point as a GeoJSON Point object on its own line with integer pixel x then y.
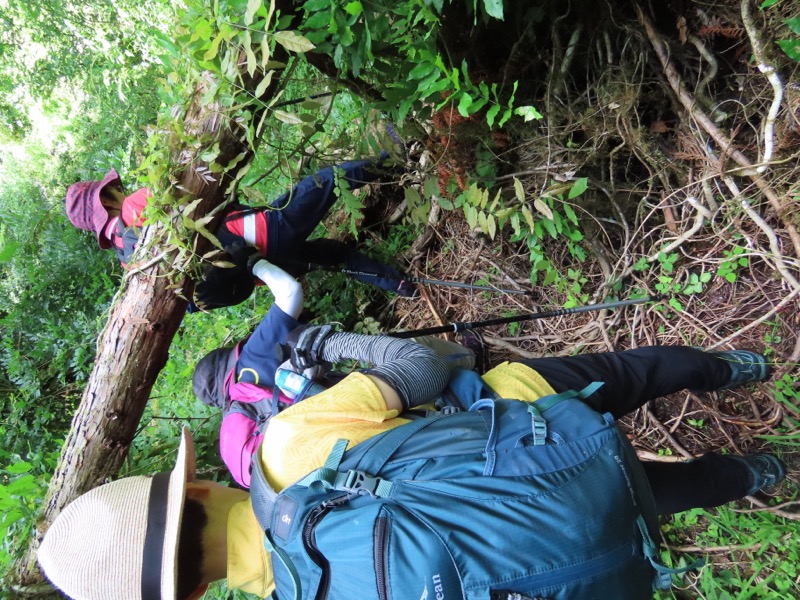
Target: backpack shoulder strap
{"type": "Point", "coordinates": [262, 496]}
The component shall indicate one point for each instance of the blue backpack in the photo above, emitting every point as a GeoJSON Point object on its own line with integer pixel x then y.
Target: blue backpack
{"type": "Point", "coordinates": [506, 500]}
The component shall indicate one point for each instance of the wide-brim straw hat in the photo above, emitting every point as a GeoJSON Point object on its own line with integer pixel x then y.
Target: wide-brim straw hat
{"type": "Point", "coordinates": [85, 210]}
{"type": "Point", "coordinates": [120, 540]}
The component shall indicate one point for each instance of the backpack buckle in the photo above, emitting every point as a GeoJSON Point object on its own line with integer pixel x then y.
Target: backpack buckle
{"type": "Point", "coordinates": [359, 482]}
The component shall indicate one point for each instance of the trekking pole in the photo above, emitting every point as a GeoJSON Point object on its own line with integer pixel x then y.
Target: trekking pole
{"type": "Point", "coordinates": [458, 284]}
{"type": "Point", "coordinates": [456, 327]}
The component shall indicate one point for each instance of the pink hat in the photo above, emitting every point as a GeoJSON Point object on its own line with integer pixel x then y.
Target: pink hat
{"type": "Point", "coordinates": [84, 208]}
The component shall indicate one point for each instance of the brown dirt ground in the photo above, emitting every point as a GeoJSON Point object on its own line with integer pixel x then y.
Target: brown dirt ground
{"type": "Point", "coordinates": [659, 179]}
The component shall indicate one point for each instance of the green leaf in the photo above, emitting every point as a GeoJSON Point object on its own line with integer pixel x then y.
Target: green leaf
{"type": "Point", "coordinates": [463, 104]}
{"type": "Point", "coordinates": [473, 194]}
{"type": "Point", "coordinates": [794, 24]}
{"type": "Point", "coordinates": [20, 467]}
{"type": "Point", "coordinates": [550, 227]}
{"type": "Point", "coordinates": [287, 117]}
{"type": "Point", "coordinates": [570, 213]}
{"type": "Point", "coordinates": [519, 190]}
{"type": "Point", "coordinates": [528, 113]}
{"type": "Point", "coordinates": [293, 42]}
{"type": "Point", "coordinates": [263, 84]}
{"type": "Point", "coordinates": [791, 48]}
{"type": "Point", "coordinates": [492, 225]}
{"type": "Point", "coordinates": [212, 52]}
{"type": "Point", "coordinates": [494, 8]}
{"type": "Point", "coordinates": [430, 187]}
{"type": "Point", "coordinates": [412, 196]}
{"type": "Point", "coordinates": [506, 116]}
{"type": "Point", "coordinates": [353, 8]}
{"type": "Point", "coordinates": [250, 13]}
{"type": "Point", "coordinates": [515, 224]}
{"type": "Point", "coordinates": [8, 251]}
{"type": "Point", "coordinates": [580, 186]}
{"type": "Point", "coordinates": [768, 3]}
{"type": "Point", "coordinates": [484, 225]}
{"type": "Point", "coordinates": [472, 216]}
{"type": "Point", "coordinates": [421, 70]}
{"type": "Point", "coordinates": [492, 113]}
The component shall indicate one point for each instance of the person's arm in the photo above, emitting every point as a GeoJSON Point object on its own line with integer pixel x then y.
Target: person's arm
{"type": "Point", "coordinates": [406, 373]}
{"type": "Point", "coordinates": [257, 360]}
{"type": "Point", "coordinates": [287, 290]}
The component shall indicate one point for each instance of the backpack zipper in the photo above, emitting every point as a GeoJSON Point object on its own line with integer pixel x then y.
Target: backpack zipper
{"type": "Point", "coordinates": [564, 575]}
{"type": "Point", "coordinates": [380, 538]}
{"type": "Point", "coordinates": [310, 543]}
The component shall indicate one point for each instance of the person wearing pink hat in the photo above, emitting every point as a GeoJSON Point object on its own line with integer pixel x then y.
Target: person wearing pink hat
{"type": "Point", "coordinates": [277, 232]}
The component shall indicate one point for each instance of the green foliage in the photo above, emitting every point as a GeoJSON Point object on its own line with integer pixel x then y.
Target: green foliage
{"type": "Point", "coordinates": [395, 46]}
{"type": "Point", "coordinates": [95, 50]}
{"type": "Point", "coordinates": [81, 89]}
{"type": "Point", "coordinates": [790, 44]}
{"type": "Point", "coordinates": [728, 268]}
{"type": "Point", "coordinates": [538, 220]}
{"type": "Point", "coordinates": [760, 554]}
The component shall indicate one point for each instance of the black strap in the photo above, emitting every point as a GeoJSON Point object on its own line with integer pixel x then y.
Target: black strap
{"type": "Point", "coordinates": [240, 211]}
{"type": "Point", "coordinates": [153, 553]}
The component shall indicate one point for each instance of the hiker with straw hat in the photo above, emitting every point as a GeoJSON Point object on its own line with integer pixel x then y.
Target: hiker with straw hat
{"type": "Point", "coordinates": [277, 232]}
{"type": "Point", "coordinates": [168, 536]}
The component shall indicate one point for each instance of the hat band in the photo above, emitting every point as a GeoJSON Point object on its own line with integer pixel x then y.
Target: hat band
{"type": "Point", "coordinates": [153, 557]}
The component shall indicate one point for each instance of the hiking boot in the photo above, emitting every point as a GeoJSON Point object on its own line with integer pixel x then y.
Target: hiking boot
{"type": "Point", "coordinates": [767, 470]}
{"type": "Point", "coordinates": [473, 340]}
{"type": "Point", "coordinates": [746, 367]}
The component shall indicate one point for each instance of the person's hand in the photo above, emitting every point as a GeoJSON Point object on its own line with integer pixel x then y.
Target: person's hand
{"type": "Point", "coordinates": [243, 256]}
{"type": "Point", "coordinates": [306, 344]}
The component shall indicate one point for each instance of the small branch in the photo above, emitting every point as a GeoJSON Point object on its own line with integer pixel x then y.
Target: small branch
{"type": "Point", "coordinates": [765, 317]}
{"type": "Point", "coordinates": [498, 343]}
{"type": "Point", "coordinates": [725, 144]}
{"type": "Point", "coordinates": [700, 215]}
{"type": "Point", "coordinates": [774, 245]}
{"type": "Point", "coordinates": [146, 265]}
{"type": "Point", "coordinates": [665, 432]}
{"type": "Point", "coordinates": [774, 80]}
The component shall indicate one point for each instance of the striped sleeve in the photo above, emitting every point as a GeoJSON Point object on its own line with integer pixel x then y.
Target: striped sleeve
{"type": "Point", "coordinates": [418, 374]}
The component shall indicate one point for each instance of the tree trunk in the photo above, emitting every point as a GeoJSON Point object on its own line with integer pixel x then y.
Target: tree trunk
{"type": "Point", "coordinates": [134, 345]}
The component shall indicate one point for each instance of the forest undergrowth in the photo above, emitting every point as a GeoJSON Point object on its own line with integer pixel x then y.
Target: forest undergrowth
{"type": "Point", "coordinates": [686, 195]}
{"type": "Point", "coordinates": [582, 153]}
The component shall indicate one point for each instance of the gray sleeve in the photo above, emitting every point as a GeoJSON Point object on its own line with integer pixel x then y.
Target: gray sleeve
{"type": "Point", "coordinates": [418, 374]}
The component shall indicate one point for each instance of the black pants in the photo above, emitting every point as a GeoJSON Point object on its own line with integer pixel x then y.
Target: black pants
{"type": "Point", "coordinates": [301, 210]}
{"type": "Point", "coordinates": [634, 377]}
